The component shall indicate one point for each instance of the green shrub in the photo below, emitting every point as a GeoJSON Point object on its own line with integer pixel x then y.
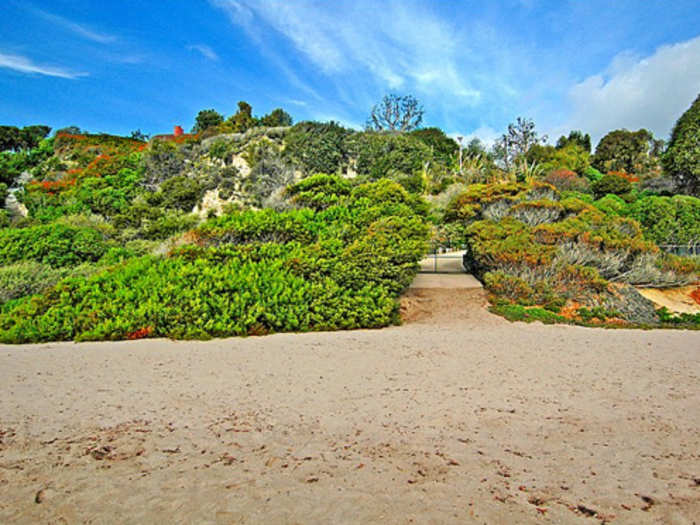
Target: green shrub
{"type": "Point", "coordinates": [612, 205]}
{"type": "Point", "coordinates": [514, 312]}
{"type": "Point", "coordinates": [55, 245]}
{"type": "Point", "coordinates": [378, 154]}
{"type": "Point", "coordinates": [610, 183]}
{"type": "Point", "coordinates": [180, 192]}
{"type": "Point", "coordinates": [319, 191]}
{"type": "Point", "coordinates": [318, 147]}
{"type": "Point", "coordinates": [27, 278]}
{"type": "Point", "coordinates": [593, 174]}
{"type": "Point", "coordinates": [668, 220]}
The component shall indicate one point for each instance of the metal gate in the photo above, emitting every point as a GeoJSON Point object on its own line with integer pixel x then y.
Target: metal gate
{"type": "Point", "coordinates": [450, 262]}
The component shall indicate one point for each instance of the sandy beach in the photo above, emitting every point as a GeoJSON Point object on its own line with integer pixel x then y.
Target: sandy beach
{"type": "Point", "coordinates": [455, 417]}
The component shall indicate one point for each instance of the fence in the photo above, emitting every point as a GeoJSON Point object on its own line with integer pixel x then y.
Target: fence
{"type": "Point", "coordinates": [449, 262]}
{"type": "Point", "coordinates": [687, 250]}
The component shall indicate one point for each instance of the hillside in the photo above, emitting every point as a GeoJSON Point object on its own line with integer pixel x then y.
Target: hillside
{"type": "Point", "coordinates": [242, 228]}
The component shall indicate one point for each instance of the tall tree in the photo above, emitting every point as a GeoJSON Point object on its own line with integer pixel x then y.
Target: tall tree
{"type": "Point", "coordinates": [396, 113]}
{"type": "Point", "coordinates": [682, 158]}
{"type": "Point", "coordinates": [13, 138]}
{"type": "Point", "coordinates": [207, 118]}
{"type": "Point", "coordinates": [442, 146]}
{"type": "Point", "coordinates": [575, 137]}
{"type": "Point", "coordinates": [277, 117]}
{"type": "Point", "coordinates": [517, 141]}
{"type": "Point", "coordinates": [243, 119]}
{"type": "Point", "coordinates": [9, 138]}
{"type": "Point", "coordinates": [623, 150]}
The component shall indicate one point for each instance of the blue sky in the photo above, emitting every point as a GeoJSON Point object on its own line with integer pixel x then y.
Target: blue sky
{"type": "Point", "coordinates": [119, 65]}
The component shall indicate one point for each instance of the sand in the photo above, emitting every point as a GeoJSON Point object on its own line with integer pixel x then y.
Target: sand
{"type": "Point", "coordinates": [455, 417]}
{"type": "Point", "coordinates": [675, 299]}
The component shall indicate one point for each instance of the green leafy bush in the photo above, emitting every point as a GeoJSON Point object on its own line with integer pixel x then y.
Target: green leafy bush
{"type": "Point", "coordinates": [244, 273]}
{"type": "Point", "coordinates": [379, 155]}
{"type": "Point", "coordinates": [55, 245]}
{"type": "Point", "coordinates": [319, 191]}
{"type": "Point", "coordinates": [612, 205]}
{"type": "Point", "coordinates": [613, 184]}
{"type": "Point", "coordinates": [668, 220]}
{"type": "Point", "coordinates": [318, 147]}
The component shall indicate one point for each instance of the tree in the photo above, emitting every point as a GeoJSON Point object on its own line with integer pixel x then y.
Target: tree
{"type": "Point", "coordinates": [521, 136]}
{"type": "Point", "coordinates": [682, 158]}
{"type": "Point", "coordinates": [443, 147]}
{"type": "Point", "coordinates": [277, 117]}
{"type": "Point", "coordinates": [70, 130]}
{"type": "Point", "coordinates": [400, 113]}
{"type": "Point", "coordinates": [571, 157]}
{"type": "Point", "coordinates": [13, 138]}
{"type": "Point", "coordinates": [318, 147]}
{"type": "Point", "coordinates": [623, 150]}
{"type": "Point", "coordinates": [137, 134]}
{"type": "Point", "coordinates": [379, 155]}
{"type": "Point", "coordinates": [207, 118]}
{"type": "Point", "coordinates": [9, 138]}
{"type": "Point", "coordinates": [243, 119]}
{"type": "Point", "coordinates": [575, 137]}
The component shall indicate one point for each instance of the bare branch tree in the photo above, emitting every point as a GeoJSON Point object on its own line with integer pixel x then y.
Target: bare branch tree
{"type": "Point", "coordinates": [396, 113]}
{"type": "Point", "coordinates": [521, 136]}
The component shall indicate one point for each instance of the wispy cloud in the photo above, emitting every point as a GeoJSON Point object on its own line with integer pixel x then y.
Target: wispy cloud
{"type": "Point", "coordinates": [26, 65]}
{"type": "Point", "coordinates": [380, 43]}
{"type": "Point", "coordinates": [204, 50]}
{"type": "Point", "coordinates": [78, 29]}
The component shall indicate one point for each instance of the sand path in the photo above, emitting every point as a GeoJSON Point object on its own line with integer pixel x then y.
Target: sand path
{"type": "Point", "coordinates": [455, 417]}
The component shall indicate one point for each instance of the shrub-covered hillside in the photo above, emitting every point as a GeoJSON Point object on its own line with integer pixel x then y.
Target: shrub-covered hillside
{"type": "Point", "coordinates": [252, 225]}
{"type": "Point", "coordinates": [245, 272]}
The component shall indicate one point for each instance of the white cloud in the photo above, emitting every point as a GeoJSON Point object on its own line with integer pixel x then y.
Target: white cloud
{"type": "Point", "coordinates": [25, 65]}
{"type": "Point", "coordinates": [76, 28]}
{"type": "Point", "coordinates": [362, 38]}
{"type": "Point", "coordinates": [206, 51]}
{"type": "Point", "coordinates": [485, 134]}
{"type": "Point", "coordinates": [634, 93]}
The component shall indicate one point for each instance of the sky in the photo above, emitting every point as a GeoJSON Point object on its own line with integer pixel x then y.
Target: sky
{"type": "Point", "coordinates": [120, 65]}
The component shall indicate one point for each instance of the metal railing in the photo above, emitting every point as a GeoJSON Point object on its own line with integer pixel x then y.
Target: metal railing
{"type": "Point", "coordinates": [686, 250]}
{"type": "Point", "coordinates": [435, 263]}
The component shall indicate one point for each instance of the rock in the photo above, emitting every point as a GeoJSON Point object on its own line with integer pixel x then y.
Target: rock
{"type": "Point", "coordinates": [44, 494]}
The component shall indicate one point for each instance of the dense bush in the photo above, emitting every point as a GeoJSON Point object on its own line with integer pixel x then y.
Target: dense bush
{"type": "Point", "coordinates": [613, 184]}
{"type": "Point", "coordinates": [55, 245]}
{"type": "Point", "coordinates": [442, 146]}
{"type": "Point", "coordinates": [532, 248]}
{"type": "Point", "coordinates": [29, 277]}
{"type": "Point", "coordinates": [566, 180]}
{"type": "Point", "coordinates": [246, 273]}
{"type": "Point", "coordinates": [379, 154]}
{"type": "Point", "coordinates": [179, 192]}
{"type": "Point", "coordinates": [319, 191]}
{"type": "Point", "coordinates": [668, 220]}
{"type": "Point", "coordinates": [571, 157]}
{"type": "Point", "coordinates": [318, 147]}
